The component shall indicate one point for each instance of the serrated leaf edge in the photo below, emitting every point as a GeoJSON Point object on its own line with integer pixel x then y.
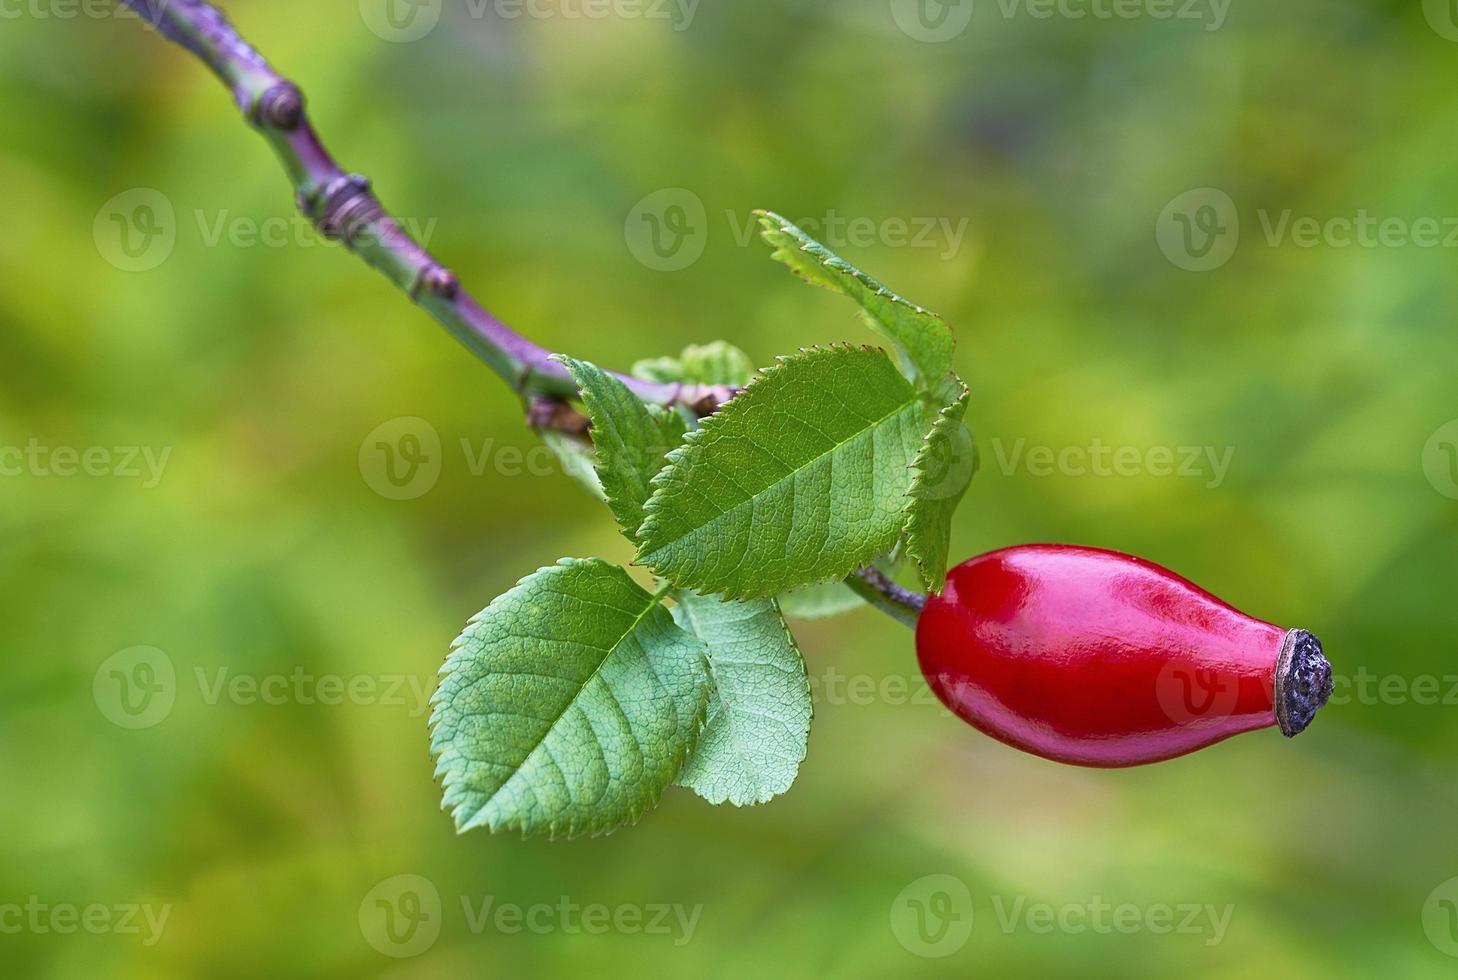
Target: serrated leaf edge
{"type": "Point", "coordinates": [809, 723]}
{"type": "Point", "coordinates": [657, 414]}
{"type": "Point", "coordinates": [776, 224]}
{"type": "Point", "coordinates": [933, 578]}
{"type": "Point", "coordinates": [554, 831]}
{"type": "Point", "coordinates": [708, 424]}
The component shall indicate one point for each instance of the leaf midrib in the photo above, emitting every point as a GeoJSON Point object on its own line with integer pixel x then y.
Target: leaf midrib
{"type": "Point", "coordinates": [912, 402]}
{"type": "Point", "coordinates": [655, 600]}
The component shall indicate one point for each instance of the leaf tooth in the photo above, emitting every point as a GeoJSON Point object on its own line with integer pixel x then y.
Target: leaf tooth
{"type": "Point", "coordinates": [916, 516]}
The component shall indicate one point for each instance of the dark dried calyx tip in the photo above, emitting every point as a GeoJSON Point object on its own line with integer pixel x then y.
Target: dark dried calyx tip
{"type": "Point", "coordinates": [1303, 682]}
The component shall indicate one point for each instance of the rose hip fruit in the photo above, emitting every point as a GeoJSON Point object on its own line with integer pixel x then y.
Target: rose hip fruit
{"type": "Point", "coordinates": [1095, 658]}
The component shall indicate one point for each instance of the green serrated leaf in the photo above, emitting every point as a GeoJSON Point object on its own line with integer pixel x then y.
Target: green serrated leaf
{"type": "Point", "coordinates": [799, 479]}
{"type": "Point", "coordinates": [717, 363]}
{"type": "Point", "coordinates": [922, 339]}
{"type": "Point", "coordinates": [568, 705]}
{"type": "Point", "coordinates": [820, 601]}
{"type": "Point", "coordinates": [759, 715]}
{"type": "Point", "coordinates": [943, 469]}
{"type": "Point", "coordinates": [577, 460]}
{"type": "Point", "coordinates": [631, 439]}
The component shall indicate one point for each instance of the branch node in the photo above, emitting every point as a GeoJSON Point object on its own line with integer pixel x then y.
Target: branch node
{"type": "Point", "coordinates": [557, 415]}
{"type": "Point", "coordinates": [281, 107]}
{"type": "Point", "coordinates": [346, 207]}
{"type": "Point", "coordinates": [442, 282]}
{"type": "Point", "coordinates": [713, 399]}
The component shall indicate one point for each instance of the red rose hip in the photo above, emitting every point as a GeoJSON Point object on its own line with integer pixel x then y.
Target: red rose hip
{"type": "Point", "coordinates": [1096, 658]}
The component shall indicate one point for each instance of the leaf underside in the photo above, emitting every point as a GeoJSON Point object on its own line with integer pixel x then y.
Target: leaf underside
{"type": "Point", "coordinates": [577, 459]}
{"type": "Point", "coordinates": [759, 715]}
{"type": "Point", "coordinates": [820, 601]}
{"type": "Point", "coordinates": [922, 339]}
{"type": "Point", "coordinates": [630, 440]}
{"type": "Point", "coordinates": [567, 705]}
{"type": "Point", "coordinates": [943, 470]}
{"type": "Point", "coordinates": [800, 479]}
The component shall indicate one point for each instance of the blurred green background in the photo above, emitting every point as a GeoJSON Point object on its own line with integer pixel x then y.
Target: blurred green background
{"type": "Point", "coordinates": [257, 546]}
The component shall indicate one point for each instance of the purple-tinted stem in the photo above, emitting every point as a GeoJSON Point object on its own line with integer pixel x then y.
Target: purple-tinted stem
{"type": "Point", "coordinates": [343, 207]}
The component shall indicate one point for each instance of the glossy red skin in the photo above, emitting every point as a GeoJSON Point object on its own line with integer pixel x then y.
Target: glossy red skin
{"type": "Point", "coordinates": [1087, 656]}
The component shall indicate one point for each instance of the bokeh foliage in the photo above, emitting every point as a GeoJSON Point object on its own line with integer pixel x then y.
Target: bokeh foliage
{"type": "Point", "coordinates": [264, 550]}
